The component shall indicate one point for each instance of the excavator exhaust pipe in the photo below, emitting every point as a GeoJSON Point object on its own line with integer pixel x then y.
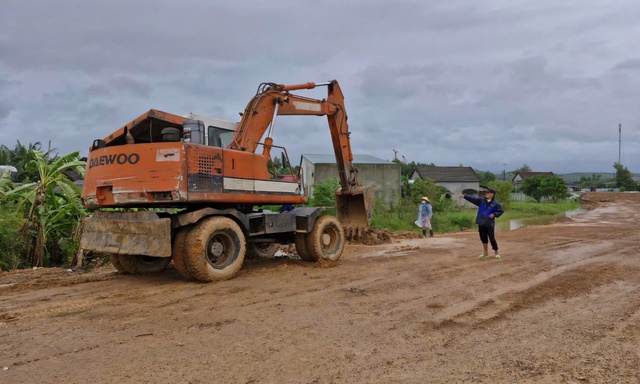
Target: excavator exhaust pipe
{"type": "Point", "coordinates": [355, 209]}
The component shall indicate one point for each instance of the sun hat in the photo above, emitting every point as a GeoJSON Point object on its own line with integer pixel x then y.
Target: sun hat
{"type": "Point", "coordinates": [425, 198]}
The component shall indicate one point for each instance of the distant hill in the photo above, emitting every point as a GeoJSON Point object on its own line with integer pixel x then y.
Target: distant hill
{"type": "Point", "coordinates": [571, 177]}
{"type": "Point", "coordinates": [568, 177]}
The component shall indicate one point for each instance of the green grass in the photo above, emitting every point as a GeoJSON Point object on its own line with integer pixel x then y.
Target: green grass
{"type": "Point", "coordinates": [450, 218]}
{"type": "Point", "coordinates": [520, 209]}
{"type": "Point", "coordinates": [455, 219]}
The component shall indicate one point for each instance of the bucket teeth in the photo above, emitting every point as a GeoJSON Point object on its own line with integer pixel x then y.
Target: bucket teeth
{"type": "Point", "coordinates": [354, 233]}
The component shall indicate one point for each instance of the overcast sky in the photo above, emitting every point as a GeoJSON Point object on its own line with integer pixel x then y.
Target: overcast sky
{"type": "Point", "coordinates": [489, 84]}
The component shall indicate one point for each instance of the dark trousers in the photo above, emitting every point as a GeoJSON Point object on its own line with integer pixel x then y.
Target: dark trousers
{"type": "Point", "coordinates": [487, 235]}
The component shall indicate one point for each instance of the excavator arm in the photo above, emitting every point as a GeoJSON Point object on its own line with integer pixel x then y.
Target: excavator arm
{"type": "Point", "coordinates": [354, 202]}
{"type": "Point", "coordinates": [275, 100]}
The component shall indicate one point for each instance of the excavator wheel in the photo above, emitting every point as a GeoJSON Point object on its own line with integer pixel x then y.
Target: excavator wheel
{"type": "Point", "coordinates": [135, 264]}
{"type": "Point", "coordinates": [115, 261]}
{"type": "Point", "coordinates": [178, 252]}
{"type": "Point", "coordinates": [326, 240]}
{"type": "Point", "coordinates": [263, 250]}
{"type": "Point", "coordinates": [301, 247]}
{"type": "Point", "coordinates": [215, 249]}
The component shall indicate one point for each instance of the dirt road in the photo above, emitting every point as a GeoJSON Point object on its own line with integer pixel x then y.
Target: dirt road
{"type": "Point", "coordinates": [562, 306]}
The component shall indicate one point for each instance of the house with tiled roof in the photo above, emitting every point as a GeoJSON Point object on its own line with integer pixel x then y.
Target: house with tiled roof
{"type": "Point", "coordinates": [519, 177]}
{"type": "Point", "coordinates": [456, 180]}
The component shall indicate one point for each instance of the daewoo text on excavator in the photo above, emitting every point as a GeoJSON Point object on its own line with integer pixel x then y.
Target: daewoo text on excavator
{"type": "Point", "coordinates": [180, 195]}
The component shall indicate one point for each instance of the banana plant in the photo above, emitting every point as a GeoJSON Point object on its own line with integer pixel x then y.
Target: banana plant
{"type": "Point", "coordinates": [6, 183]}
{"type": "Point", "coordinates": [54, 201]}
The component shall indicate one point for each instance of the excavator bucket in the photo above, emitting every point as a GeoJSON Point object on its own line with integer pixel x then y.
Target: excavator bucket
{"type": "Point", "coordinates": [355, 209]}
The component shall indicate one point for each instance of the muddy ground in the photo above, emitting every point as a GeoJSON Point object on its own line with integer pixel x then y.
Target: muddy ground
{"type": "Point", "coordinates": [561, 306]}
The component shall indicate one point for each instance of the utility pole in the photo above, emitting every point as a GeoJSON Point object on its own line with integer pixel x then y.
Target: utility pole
{"type": "Point", "coordinates": [619, 141]}
{"type": "Point", "coordinates": [504, 171]}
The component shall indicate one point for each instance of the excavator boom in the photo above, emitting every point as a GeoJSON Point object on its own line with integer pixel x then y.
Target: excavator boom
{"type": "Point", "coordinates": [354, 201]}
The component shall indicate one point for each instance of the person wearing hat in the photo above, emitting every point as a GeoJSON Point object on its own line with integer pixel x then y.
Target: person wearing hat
{"type": "Point", "coordinates": [424, 216]}
{"type": "Point", "coordinates": [488, 210]}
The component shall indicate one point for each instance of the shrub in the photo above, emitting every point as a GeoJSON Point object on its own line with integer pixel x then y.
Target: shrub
{"type": "Point", "coordinates": [12, 240]}
{"type": "Point", "coordinates": [324, 195]}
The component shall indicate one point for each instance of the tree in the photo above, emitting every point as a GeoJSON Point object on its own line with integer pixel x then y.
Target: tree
{"type": "Point", "coordinates": [5, 155]}
{"type": "Point", "coordinates": [553, 187]}
{"type": "Point", "coordinates": [12, 239]}
{"type": "Point", "coordinates": [6, 183]}
{"type": "Point", "coordinates": [423, 187]}
{"type": "Point", "coordinates": [591, 181]}
{"type": "Point", "coordinates": [54, 202]}
{"type": "Point", "coordinates": [503, 192]}
{"type": "Point", "coordinates": [624, 178]}
{"type": "Point", "coordinates": [524, 168]}
{"type": "Point", "coordinates": [20, 157]}
{"type": "Point", "coordinates": [485, 176]}
{"type": "Point", "coordinates": [541, 186]}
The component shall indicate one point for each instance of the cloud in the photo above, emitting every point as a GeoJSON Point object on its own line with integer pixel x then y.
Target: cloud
{"type": "Point", "coordinates": [5, 109]}
{"type": "Point", "coordinates": [542, 83]}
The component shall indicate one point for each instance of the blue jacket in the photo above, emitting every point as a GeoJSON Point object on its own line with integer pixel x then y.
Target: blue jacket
{"type": "Point", "coordinates": [425, 210]}
{"type": "Point", "coordinates": [485, 208]}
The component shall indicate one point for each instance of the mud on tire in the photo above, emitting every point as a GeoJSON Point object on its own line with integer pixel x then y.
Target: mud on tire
{"type": "Point", "coordinates": [326, 240]}
{"type": "Point", "coordinates": [115, 261]}
{"type": "Point", "coordinates": [178, 252]}
{"type": "Point", "coordinates": [301, 247]}
{"type": "Point", "coordinates": [263, 250]}
{"type": "Point", "coordinates": [215, 249]}
{"type": "Point", "coordinates": [135, 264]}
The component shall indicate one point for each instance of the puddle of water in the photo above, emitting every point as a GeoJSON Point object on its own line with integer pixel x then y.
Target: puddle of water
{"type": "Point", "coordinates": [537, 220]}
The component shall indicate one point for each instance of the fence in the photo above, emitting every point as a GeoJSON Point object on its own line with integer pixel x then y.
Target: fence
{"type": "Point", "coordinates": [519, 196]}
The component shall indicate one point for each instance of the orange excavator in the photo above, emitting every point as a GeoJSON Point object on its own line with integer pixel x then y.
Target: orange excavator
{"type": "Point", "coordinates": [164, 188]}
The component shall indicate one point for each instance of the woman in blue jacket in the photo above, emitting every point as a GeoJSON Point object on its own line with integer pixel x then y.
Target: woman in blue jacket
{"type": "Point", "coordinates": [488, 210]}
{"type": "Point", "coordinates": [424, 216]}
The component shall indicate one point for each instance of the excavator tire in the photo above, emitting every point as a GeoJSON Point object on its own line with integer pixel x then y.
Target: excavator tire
{"type": "Point", "coordinates": [301, 247]}
{"type": "Point", "coordinates": [115, 261]}
{"type": "Point", "coordinates": [326, 240]}
{"type": "Point", "coordinates": [263, 250]}
{"type": "Point", "coordinates": [215, 249]}
{"type": "Point", "coordinates": [178, 252]}
{"type": "Point", "coordinates": [135, 264]}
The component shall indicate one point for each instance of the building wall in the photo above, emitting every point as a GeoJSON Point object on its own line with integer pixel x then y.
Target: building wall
{"type": "Point", "coordinates": [308, 173]}
{"type": "Point", "coordinates": [517, 182]}
{"type": "Point", "coordinates": [456, 189]}
{"type": "Point", "coordinates": [383, 178]}
{"type": "Point", "coordinates": [460, 188]}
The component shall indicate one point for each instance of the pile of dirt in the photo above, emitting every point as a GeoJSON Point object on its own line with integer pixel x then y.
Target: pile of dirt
{"type": "Point", "coordinates": [591, 200]}
{"type": "Point", "coordinates": [372, 236]}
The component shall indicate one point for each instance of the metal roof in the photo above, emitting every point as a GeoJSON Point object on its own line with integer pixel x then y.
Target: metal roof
{"type": "Point", "coordinates": [357, 159]}
{"type": "Point", "coordinates": [446, 174]}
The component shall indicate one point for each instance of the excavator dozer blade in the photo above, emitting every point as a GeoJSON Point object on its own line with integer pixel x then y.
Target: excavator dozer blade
{"type": "Point", "coordinates": [127, 233]}
{"type": "Point", "coordinates": [355, 209]}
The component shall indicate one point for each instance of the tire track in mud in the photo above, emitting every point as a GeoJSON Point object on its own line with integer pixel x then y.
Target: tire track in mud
{"type": "Point", "coordinates": [559, 283]}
